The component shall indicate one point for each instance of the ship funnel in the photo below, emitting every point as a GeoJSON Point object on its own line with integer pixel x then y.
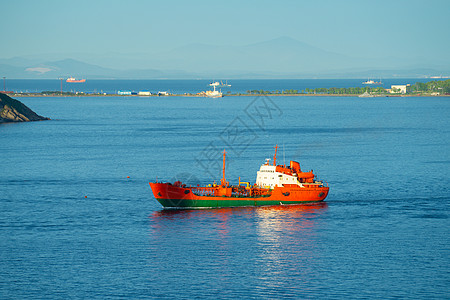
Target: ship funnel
{"type": "Point", "coordinates": [295, 166]}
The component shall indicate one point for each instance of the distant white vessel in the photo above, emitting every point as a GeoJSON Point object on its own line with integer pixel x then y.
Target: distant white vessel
{"type": "Point", "coordinates": [214, 93]}
{"type": "Point", "coordinates": [370, 81]}
{"type": "Point", "coordinates": [225, 84]}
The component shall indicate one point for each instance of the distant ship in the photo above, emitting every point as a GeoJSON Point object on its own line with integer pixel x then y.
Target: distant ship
{"type": "Point", "coordinates": [225, 84]}
{"type": "Point", "coordinates": [369, 81]}
{"type": "Point", "coordinates": [214, 93]}
{"type": "Point", "coordinates": [73, 80]}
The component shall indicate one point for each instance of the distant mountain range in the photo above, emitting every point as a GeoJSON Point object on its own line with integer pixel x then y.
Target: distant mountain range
{"type": "Point", "coordinates": [283, 57]}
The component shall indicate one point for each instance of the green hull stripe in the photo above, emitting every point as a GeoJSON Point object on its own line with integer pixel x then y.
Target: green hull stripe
{"type": "Point", "coordinates": [183, 203]}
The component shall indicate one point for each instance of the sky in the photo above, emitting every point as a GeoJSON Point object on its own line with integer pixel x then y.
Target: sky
{"type": "Point", "coordinates": [356, 28]}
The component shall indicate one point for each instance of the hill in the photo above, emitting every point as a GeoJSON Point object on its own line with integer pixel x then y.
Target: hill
{"type": "Point", "coordinates": [282, 57]}
{"type": "Point", "coordinates": [12, 110]}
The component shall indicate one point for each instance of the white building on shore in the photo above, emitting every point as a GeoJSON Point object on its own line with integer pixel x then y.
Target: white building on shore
{"type": "Point", "coordinates": [399, 88]}
{"type": "Point", "coordinates": [124, 93]}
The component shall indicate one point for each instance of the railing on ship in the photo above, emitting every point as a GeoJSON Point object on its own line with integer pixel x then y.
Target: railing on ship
{"type": "Point", "coordinates": [204, 191]}
{"type": "Point", "coordinates": [236, 192]}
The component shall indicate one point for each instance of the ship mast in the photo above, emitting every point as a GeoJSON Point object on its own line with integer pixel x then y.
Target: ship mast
{"type": "Point", "coordinates": [275, 156]}
{"type": "Point", "coordinates": [223, 181]}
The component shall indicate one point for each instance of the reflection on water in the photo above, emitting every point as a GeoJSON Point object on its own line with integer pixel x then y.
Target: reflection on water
{"type": "Point", "coordinates": [286, 236]}
{"type": "Point", "coordinates": [270, 243]}
{"type": "Point", "coordinates": [269, 220]}
{"type": "Point", "coordinates": [286, 217]}
{"type": "Point", "coordinates": [176, 214]}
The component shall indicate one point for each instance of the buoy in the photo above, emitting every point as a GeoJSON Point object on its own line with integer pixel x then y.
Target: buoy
{"type": "Point", "coordinates": [85, 196]}
{"type": "Point", "coordinates": [128, 176]}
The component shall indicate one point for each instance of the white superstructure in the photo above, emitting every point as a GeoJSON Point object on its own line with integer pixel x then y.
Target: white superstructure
{"type": "Point", "coordinates": [268, 177]}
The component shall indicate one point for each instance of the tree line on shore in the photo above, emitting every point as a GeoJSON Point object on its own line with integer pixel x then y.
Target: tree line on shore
{"type": "Point", "coordinates": [436, 86]}
{"type": "Point", "coordinates": [333, 90]}
{"type": "Point", "coordinates": [441, 87]}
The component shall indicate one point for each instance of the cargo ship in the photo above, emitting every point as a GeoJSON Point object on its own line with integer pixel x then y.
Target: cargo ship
{"type": "Point", "coordinates": [74, 80]}
{"type": "Point", "coordinates": [275, 185]}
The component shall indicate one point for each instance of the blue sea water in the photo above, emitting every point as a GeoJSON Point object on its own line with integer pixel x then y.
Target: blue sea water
{"type": "Point", "coordinates": [73, 225]}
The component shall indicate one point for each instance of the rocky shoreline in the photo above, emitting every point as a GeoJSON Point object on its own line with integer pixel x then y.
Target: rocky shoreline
{"type": "Point", "coordinates": [12, 110]}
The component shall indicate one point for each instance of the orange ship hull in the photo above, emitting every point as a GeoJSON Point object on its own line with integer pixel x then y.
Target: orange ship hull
{"type": "Point", "coordinates": [76, 80]}
{"type": "Point", "coordinates": [171, 196]}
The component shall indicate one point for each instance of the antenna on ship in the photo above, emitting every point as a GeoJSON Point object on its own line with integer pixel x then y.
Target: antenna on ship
{"type": "Point", "coordinates": [275, 156]}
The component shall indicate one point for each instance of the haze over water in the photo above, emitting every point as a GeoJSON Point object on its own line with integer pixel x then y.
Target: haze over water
{"type": "Point", "coordinates": [72, 225]}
